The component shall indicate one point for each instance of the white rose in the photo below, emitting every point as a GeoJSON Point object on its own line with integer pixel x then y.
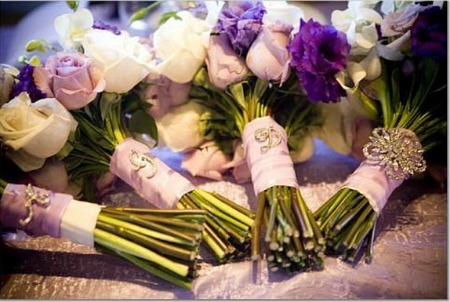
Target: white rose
{"type": "Point", "coordinates": [123, 59]}
{"type": "Point", "coordinates": [34, 131]}
{"type": "Point", "coordinates": [72, 27]}
{"type": "Point", "coordinates": [179, 128]}
{"type": "Point", "coordinates": [281, 11]}
{"type": "Point", "coordinates": [181, 45]}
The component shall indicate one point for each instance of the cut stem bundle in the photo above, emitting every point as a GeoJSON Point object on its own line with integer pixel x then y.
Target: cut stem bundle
{"type": "Point", "coordinates": [162, 242]}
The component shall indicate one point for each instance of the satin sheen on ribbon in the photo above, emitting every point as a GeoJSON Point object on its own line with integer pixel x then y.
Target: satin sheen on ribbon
{"type": "Point", "coordinates": [45, 221]}
{"type": "Point", "coordinates": [371, 181]}
{"type": "Point", "coordinates": [164, 189]}
{"type": "Point", "coordinates": [273, 166]}
{"type": "Point", "coordinates": [79, 220]}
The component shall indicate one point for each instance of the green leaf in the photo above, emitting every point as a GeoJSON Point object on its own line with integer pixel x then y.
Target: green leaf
{"type": "Point", "coordinates": [165, 17]}
{"type": "Point", "coordinates": [143, 12]}
{"type": "Point", "coordinates": [73, 5]}
{"type": "Point", "coordinates": [35, 61]}
{"type": "Point", "coordinates": [107, 101]}
{"type": "Point", "coordinates": [36, 45]}
{"type": "Point", "coordinates": [143, 123]}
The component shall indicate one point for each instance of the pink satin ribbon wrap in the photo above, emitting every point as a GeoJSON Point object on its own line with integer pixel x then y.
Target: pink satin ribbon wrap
{"type": "Point", "coordinates": [45, 221]}
{"type": "Point", "coordinates": [371, 181]}
{"type": "Point", "coordinates": [272, 167]}
{"type": "Point", "coordinates": [164, 189]}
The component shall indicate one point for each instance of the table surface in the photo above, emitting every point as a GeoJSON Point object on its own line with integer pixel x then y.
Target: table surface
{"type": "Point", "coordinates": [410, 252]}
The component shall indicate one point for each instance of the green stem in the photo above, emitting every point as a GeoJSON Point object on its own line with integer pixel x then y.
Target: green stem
{"type": "Point", "coordinates": [117, 243]}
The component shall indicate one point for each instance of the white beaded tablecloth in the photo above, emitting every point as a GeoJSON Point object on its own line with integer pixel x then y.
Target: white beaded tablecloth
{"type": "Point", "coordinates": [410, 252]}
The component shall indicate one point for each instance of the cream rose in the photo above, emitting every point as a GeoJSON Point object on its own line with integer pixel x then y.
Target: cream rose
{"type": "Point", "coordinates": [181, 44]}
{"type": "Point", "coordinates": [34, 131]}
{"type": "Point", "coordinates": [179, 128]}
{"type": "Point", "coordinates": [123, 60]}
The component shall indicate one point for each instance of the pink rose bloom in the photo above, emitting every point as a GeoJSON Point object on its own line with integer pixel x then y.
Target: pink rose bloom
{"type": "Point", "coordinates": [163, 93]}
{"type": "Point", "coordinates": [52, 176]}
{"type": "Point", "coordinates": [241, 172]}
{"type": "Point", "coordinates": [207, 161]}
{"type": "Point", "coordinates": [268, 57]}
{"type": "Point", "coordinates": [70, 78]}
{"type": "Point", "coordinates": [224, 66]}
{"type": "Point", "coordinates": [106, 183]}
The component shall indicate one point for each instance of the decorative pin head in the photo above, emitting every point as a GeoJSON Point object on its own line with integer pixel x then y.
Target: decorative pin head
{"type": "Point", "coordinates": [269, 135]}
{"type": "Point", "coordinates": [141, 161]}
{"type": "Point", "coordinates": [397, 150]}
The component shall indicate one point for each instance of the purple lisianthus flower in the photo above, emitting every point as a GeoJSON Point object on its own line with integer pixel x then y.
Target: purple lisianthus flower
{"type": "Point", "coordinates": [429, 34]}
{"type": "Point", "coordinates": [99, 24]}
{"type": "Point", "coordinates": [318, 52]}
{"type": "Point", "coordinates": [241, 22]}
{"type": "Point", "coordinates": [26, 84]}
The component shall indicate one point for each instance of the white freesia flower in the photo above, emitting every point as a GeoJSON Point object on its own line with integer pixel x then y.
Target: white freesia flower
{"type": "Point", "coordinates": [359, 25]}
{"type": "Point", "coordinates": [179, 128]}
{"type": "Point", "coordinates": [72, 27]}
{"type": "Point", "coordinates": [181, 44]}
{"type": "Point", "coordinates": [34, 131]}
{"type": "Point", "coordinates": [123, 60]}
{"type": "Point", "coordinates": [282, 11]}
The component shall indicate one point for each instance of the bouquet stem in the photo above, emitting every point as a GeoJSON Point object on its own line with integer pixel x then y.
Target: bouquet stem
{"type": "Point", "coordinates": [165, 244]}
{"type": "Point", "coordinates": [227, 225]}
{"type": "Point", "coordinates": [294, 241]}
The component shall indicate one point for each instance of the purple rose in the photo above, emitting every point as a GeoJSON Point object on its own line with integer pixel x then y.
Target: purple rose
{"type": "Point", "coordinates": [268, 57]}
{"type": "Point", "coordinates": [162, 94]}
{"type": "Point", "coordinates": [429, 34]}
{"type": "Point", "coordinates": [225, 67]}
{"type": "Point", "coordinates": [399, 22]}
{"type": "Point", "coordinates": [70, 78]}
{"type": "Point", "coordinates": [317, 53]}
{"type": "Point", "coordinates": [241, 22]}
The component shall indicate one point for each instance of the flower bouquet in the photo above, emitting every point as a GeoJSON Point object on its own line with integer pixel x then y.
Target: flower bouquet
{"type": "Point", "coordinates": [94, 78]}
{"type": "Point", "coordinates": [250, 93]}
{"type": "Point", "coordinates": [406, 100]}
{"type": "Point", "coordinates": [162, 242]}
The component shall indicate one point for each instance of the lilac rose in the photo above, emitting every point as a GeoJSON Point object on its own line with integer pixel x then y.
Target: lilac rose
{"type": "Point", "coordinates": [70, 78]}
{"type": "Point", "coordinates": [268, 57]}
{"type": "Point", "coordinates": [224, 66]}
{"type": "Point", "coordinates": [318, 53]}
{"type": "Point", "coordinates": [399, 22]}
{"type": "Point", "coordinates": [163, 93]}
{"type": "Point", "coordinates": [241, 22]}
{"type": "Point", "coordinates": [429, 34]}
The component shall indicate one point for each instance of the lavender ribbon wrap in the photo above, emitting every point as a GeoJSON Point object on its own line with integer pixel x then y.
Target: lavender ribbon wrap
{"type": "Point", "coordinates": [61, 217]}
{"type": "Point", "coordinates": [163, 186]}
{"type": "Point", "coordinates": [46, 219]}
{"type": "Point", "coordinates": [267, 154]}
{"type": "Point", "coordinates": [371, 181]}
